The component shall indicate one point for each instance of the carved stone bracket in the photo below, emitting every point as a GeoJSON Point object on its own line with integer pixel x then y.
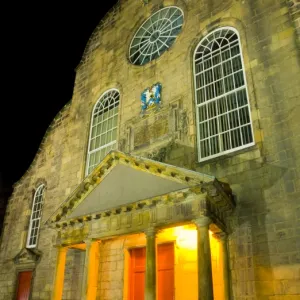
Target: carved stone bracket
{"type": "Point", "coordinates": [162, 153]}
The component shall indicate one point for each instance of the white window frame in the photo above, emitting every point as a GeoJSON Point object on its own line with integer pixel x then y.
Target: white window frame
{"type": "Point", "coordinates": [112, 144]}
{"type": "Point", "coordinates": [38, 193]}
{"type": "Point", "coordinates": [245, 86]}
{"type": "Point", "coordinates": [149, 46]}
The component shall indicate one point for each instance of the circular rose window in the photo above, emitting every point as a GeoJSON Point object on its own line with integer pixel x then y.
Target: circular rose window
{"type": "Point", "coordinates": [156, 35]}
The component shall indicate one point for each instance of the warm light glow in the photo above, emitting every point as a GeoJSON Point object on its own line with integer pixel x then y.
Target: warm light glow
{"type": "Point", "coordinates": [186, 237]}
{"type": "Point", "coordinates": [60, 273]}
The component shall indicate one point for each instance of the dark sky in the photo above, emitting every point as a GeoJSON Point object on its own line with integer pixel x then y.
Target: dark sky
{"type": "Point", "coordinates": [41, 44]}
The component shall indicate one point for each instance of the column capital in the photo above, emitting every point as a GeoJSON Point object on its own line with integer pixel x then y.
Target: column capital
{"type": "Point", "coordinates": [222, 236]}
{"type": "Point", "coordinates": [90, 241]}
{"type": "Point", "coordinates": [202, 221]}
{"type": "Point", "coordinates": [150, 232]}
{"type": "Point", "coordinates": [60, 248]}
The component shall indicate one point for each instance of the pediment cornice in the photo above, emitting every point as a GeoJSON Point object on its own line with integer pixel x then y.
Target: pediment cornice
{"type": "Point", "coordinates": [218, 193]}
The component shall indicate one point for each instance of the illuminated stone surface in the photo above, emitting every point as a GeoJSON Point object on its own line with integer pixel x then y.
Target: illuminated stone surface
{"type": "Point", "coordinates": [263, 230]}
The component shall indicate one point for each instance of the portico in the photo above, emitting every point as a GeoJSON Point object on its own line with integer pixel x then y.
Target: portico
{"type": "Point", "coordinates": [129, 196]}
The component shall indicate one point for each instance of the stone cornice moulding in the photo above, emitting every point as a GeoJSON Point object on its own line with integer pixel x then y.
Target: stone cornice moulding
{"type": "Point", "coordinates": [219, 194]}
{"type": "Point", "coordinates": [180, 175]}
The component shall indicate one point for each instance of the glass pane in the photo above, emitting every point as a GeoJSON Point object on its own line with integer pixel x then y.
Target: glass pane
{"type": "Point", "coordinates": [244, 115]}
{"type": "Point", "coordinates": [207, 63]}
{"type": "Point", "coordinates": [201, 96]}
{"type": "Point", "coordinates": [199, 80]}
{"type": "Point", "coordinates": [228, 81]}
{"type": "Point", "coordinates": [104, 127]}
{"type": "Point", "coordinates": [223, 123]}
{"type": "Point", "coordinates": [213, 127]}
{"type": "Point", "coordinates": [237, 63]}
{"type": "Point", "coordinates": [92, 147]}
{"type": "Point", "coordinates": [203, 130]}
{"type": "Point", "coordinates": [235, 138]}
{"type": "Point", "coordinates": [242, 97]}
{"type": "Point", "coordinates": [217, 72]}
{"type": "Point", "coordinates": [94, 131]}
{"type": "Point", "coordinates": [109, 124]}
{"type": "Point", "coordinates": [233, 119]}
{"type": "Point", "coordinates": [97, 144]}
{"type": "Point", "coordinates": [219, 88]}
{"type": "Point", "coordinates": [114, 134]}
{"type": "Point", "coordinates": [226, 55]}
{"type": "Point", "coordinates": [216, 58]}
{"type": "Point", "coordinates": [235, 50]}
{"type": "Point", "coordinates": [222, 107]}
{"type": "Point", "coordinates": [210, 92]}
{"type": "Point", "coordinates": [225, 140]}
{"type": "Point", "coordinates": [199, 67]}
{"type": "Point", "coordinates": [231, 101]}
{"type": "Point", "coordinates": [204, 148]}
{"type": "Point", "coordinates": [247, 135]}
{"type": "Point", "coordinates": [97, 158]}
{"type": "Point", "coordinates": [212, 109]}
{"type": "Point", "coordinates": [115, 121]}
{"type": "Point", "coordinates": [208, 77]}
{"type": "Point", "coordinates": [214, 145]}
{"type": "Point", "coordinates": [227, 68]}
{"type": "Point", "coordinates": [239, 79]}
{"type": "Point", "coordinates": [202, 113]}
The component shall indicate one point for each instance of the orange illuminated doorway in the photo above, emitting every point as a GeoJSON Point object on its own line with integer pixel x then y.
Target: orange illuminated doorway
{"type": "Point", "coordinates": [137, 273]}
{"type": "Point", "coordinates": [24, 283]}
{"type": "Point", "coordinates": [165, 272]}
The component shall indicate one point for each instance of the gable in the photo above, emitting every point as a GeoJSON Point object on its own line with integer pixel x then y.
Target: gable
{"type": "Point", "coordinates": [125, 185]}
{"type": "Point", "coordinates": [121, 179]}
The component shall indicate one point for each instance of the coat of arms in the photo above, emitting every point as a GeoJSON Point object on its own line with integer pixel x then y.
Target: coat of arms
{"type": "Point", "coordinates": [151, 98]}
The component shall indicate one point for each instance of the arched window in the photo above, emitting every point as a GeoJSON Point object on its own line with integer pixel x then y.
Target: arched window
{"type": "Point", "coordinates": [104, 124]}
{"type": "Point", "coordinates": [222, 105]}
{"type": "Point", "coordinates": [35, 219]}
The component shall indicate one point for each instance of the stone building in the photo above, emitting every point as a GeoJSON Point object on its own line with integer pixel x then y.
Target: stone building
{"type": "Point", "coordinates": [174, 172]}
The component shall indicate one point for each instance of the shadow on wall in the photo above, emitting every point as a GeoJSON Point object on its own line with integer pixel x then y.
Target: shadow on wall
{"type": "Point", "coordinates": [262, 242]}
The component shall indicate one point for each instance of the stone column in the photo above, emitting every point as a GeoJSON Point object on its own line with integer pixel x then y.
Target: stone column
{"type": "Point", "coordinates": [222, 237]}
{"type": "Point", "coordinates": [59, 273]}
{"type": "Point", "coordinates": [90, 273]}
{"type": "Point", "coordinates": [150, 278]}
{"type": "Point", "coordinates": [205, 284]}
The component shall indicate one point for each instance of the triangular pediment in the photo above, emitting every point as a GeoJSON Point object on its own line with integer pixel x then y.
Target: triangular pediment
{"type": "Point", "coordinates": [122, 179]}
{"type": "Point", "coordinates": [124, 185]}
{"type": "Point", "coordinates": [27, 256]}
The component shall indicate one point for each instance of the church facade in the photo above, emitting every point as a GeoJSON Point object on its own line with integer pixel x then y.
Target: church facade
{"type": "Point", "coordinates": [174, 171]}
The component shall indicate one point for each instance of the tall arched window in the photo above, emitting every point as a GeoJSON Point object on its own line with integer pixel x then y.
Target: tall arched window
{"type": "Point", "coordinates": [35, 219]}
{"type": "Point", "coordinates": [222, 105]}
{"type": "Point", "coordinates": [104, 124]}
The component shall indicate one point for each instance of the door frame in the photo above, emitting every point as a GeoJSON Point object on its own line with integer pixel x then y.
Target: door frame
{"type": "Point", "coordinates": [16, 285]}
{"type": "Point", "coordinates": [127, 266]}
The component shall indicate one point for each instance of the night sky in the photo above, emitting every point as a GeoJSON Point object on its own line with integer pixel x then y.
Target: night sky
{"type": "Point", "coordinates": [42, 44]}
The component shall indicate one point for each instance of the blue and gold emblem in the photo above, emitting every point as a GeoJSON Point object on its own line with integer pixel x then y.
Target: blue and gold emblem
{"type": "Point", "coordinates": [151, 98]}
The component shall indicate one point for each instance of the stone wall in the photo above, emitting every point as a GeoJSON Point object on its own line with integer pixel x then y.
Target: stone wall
{"type": "Point", "coordinates": [113, 281]}
{"type": "Point", "coordinates": [265, 230]}
{"type": "Point", "coordinates": [73, 274]}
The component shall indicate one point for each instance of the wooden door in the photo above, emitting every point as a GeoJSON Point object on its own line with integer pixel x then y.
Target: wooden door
{"type": "Point", "coordinates": [24, 283]}
{"type": "Point", "coordinates": [137, 274]}
{"type": "Point", "coordinates": [165, 271]}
